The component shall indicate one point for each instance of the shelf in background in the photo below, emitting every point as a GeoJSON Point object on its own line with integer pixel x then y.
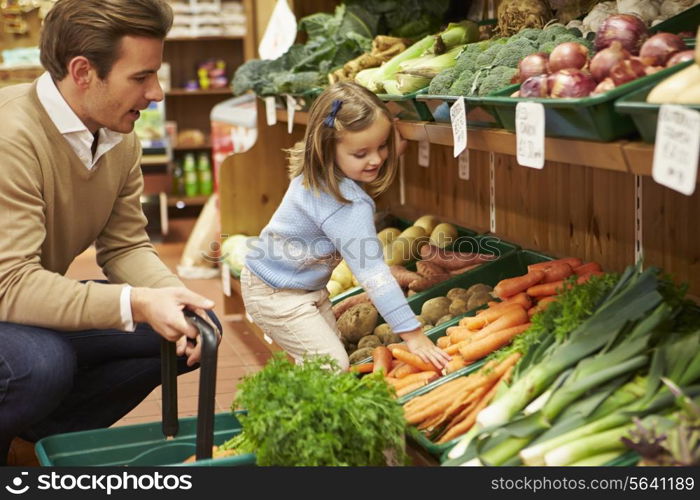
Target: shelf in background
{"type": "Point", "coordinates": [155, 160]}
{"type": "Point", "coordinates": [185, 201]}
{"type": "Point", "coordinates": [203, 147]}
{"type": "Point", "coordinates": [199, 92]}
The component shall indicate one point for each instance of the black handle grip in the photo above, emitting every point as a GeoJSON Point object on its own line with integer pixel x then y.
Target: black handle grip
{"type": "Point", "coordinates": [207, 385]}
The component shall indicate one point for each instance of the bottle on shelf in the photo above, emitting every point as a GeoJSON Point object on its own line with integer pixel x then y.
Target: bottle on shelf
{"type": "Point", "coordinates": [178, 180]}
{"type": "Point", "coordinates": [190, 171]}
{"type": "Point", "coordinates": [204, 174]}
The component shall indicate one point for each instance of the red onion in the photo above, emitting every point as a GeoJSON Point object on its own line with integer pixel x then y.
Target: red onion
{"type": "Point", "coordinates": [606, 59]}
{"type": "Point", "coordinates": [568, 55]}
{"type": "Point", "coordinates": [603, 87]}
{"type": "Point", "coordinates": [679, 57]}
{"type": "Point", "coordinates": [628, 29]}
{"type": "Point", "coordinates": [572, 83]}
{"type": "Point", "coordinates": [532, 65]}
{"type": "Point", "coordinates": [535, 86]}
{"type": "Point", "coordinates": [627, 70]}
{"type": "Point", "coordinates": [661, 47]}
{"type": "Point", "coordinates": [650, 70]}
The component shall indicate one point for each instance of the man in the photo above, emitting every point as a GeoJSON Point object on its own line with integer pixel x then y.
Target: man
{"type": "Point", "coordinates": [76, 356]}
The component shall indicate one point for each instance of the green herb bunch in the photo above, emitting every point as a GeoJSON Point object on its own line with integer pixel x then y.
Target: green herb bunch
{"type": "Point", "coordinates": [313, 414]}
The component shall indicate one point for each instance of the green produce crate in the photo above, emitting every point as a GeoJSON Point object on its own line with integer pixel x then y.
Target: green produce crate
{"type": "Point", "coordinates": [626, 460]}
{"type": "Point", "coordinates": [478, 115]}
{"type": "Point", "coordinates": [304, 100]}
{"type": "Point", "coordinates": [644, 115]}
{"type": "Point", "coordinates": [688, 20]}
{"type": "Point", "coordinates": [406, 107]}
{"type": "Point", "coordinates": [147, 444]}
{"type": "Point", "coordinates": [587, 118]}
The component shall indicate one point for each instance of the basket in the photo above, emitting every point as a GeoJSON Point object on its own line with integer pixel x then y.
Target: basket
{"type": "Point", "coordinates": [407, 107]}
{"type": "Point", "coordinates": [169, 442]}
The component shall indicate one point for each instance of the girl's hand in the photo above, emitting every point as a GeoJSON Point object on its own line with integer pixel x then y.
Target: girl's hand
{"type": "Point", "coordinates": [401, 143]}
{"type": "Point", "coordinates": [420, 345]}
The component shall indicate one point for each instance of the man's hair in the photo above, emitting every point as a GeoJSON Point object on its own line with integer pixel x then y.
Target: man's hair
{"type": "Point", "coordinates": [314, 157]}
{"type": "Point", "coordinates": [94, 29]}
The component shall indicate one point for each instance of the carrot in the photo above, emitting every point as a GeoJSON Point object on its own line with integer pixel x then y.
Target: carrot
{"type": "Point", "coordinates": [424, 283]}
{"type": "Point", "coordinates": [429, 269]}
{"type": "Point", "coordinates": [455, 364]}
{"type": "Point", "coordinates": [404, 370]}
{"type": "Point", "coordinates": [557, 272]}
{"type": "Point", "coordinates": [541, 266]}
{"type": "Point", "coordinates": [399, 383]}
{"type": "Point", "coordinates": [489, 315]}
{"type": "Point", "coordinates": [410, 388]}
{"type": "Point", "coordinates": [443, 342]}
{"type": "Point", "coordinates": [511, 286]}
{"type": "Point", "coordinates": [513, 317]}
{"type": "Point", "coordinates": [395, 365]}
{"type": "Point", "coordinates": [585, 277]}
{"type": "Point", "coordinates": [587, 268]}
{"type": "Point", "coordinates": [362, 368]}
{"type": "Point", "coordinates": [395, 346]}
{"type": "Point", "coordinates": [480, 348]}
{"type": "Point", "coordinates": [546, 289]}
{"type": "Point", "coordinates": [346, 304]}
{"type": "Point", "coordinates": [403, 276]}
{"type": "Point", "coordinates": [413, 360]}
{"type": "Point", "coordinates": [382, 357]}
{"type": "Point", "coordinates": [541, 305]}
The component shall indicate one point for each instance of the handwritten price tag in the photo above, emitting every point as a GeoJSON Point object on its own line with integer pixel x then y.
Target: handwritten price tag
{"type": "Point", "coordinates": [464, 165]}
{"type": "Point", "coordinates": [270, 110]}
{"type": "Point", "coordinates": [529, 134]}
{"type": "Point", "coordinates": [458, 117]}
{"type": "Point", "coordinates": [291, 108]}
{"type": "Point", "coordinates": [677, 148]}
{"type": "Point", "coordinates": [424, 153]}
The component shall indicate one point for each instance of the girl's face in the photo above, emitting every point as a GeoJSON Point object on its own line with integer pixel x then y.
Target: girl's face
{"type": "Point", "coordinates": [360, 155]}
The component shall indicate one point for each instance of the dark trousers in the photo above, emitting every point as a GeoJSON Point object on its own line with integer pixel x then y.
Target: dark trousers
{"type": "Point", "coordinates": [53, 382]}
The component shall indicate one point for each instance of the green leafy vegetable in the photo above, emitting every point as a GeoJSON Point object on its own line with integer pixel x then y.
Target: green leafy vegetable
{"type": "Point", "coordinates": [314, 415]}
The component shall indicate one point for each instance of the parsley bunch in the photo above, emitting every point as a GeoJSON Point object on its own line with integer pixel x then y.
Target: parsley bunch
{"type": "Point", "coordinates": [314, 415]}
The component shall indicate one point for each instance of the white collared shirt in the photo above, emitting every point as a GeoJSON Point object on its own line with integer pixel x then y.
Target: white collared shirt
{"type": "Point", "coordinates": [80, 140]}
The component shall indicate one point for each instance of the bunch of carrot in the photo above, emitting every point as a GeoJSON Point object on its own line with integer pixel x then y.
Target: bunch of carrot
{"type": "Point", "coordinates": [450, 410]}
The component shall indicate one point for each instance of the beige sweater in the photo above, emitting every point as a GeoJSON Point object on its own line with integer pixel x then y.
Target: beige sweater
{"type": "Point", "coordinates": [52, 208]}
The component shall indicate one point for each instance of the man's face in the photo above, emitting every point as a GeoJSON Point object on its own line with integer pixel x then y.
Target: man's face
{"type": "Point", "coordinates": [130, 86]}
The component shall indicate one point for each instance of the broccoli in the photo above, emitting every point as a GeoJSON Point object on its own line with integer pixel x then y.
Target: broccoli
{"type": "Point", "coordinates": [463, 84]}
{"type": "Point", "coordinates": [512, 52]}
{"type": "Point", "coordinates": [496, 79]}
{"type": "Point", "coordinates": [440, 85]}
{"type": "Point", "coordinates": [296, 83]}
{"type": "Point", "coordinates": [550, 33]}
{"type": "Point", "coordinates": [548, 47]}
{"type": "Point", "coordinates": [529, 33]}
{"type": "Point", "coordinates": [487, 56]}
{"type": "Point", "coordinates": [249, 75]}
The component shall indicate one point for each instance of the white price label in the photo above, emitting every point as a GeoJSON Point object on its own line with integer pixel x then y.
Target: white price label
{"type": "Point", "coordinates": [529, 134]}
{"type": "Point", "coordinates": [267, 338]}
{"type": "Point", "coordinates": [291, 108]}
{"type": "Point", "coordinates": [458, 117]}
{"type": "Point", "coordinates": [270, 110]}
{"type": "Point", "coordinates": [677, 148]}
{"type": "Point", "coordinates": [464, 165]}
{"type": "Point", "coordinates": [225, 279]}
{"type": "Point", "coordinates": [424, 153]}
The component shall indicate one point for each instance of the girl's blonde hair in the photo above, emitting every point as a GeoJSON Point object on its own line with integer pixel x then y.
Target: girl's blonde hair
{"type": "Point", "coordinates": [314, 157]}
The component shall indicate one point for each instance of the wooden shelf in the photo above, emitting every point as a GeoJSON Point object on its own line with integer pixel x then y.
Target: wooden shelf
{"type": "Point", "coordinates": [184, 201]}
{"type": "Point", "coordinates": [199, 92]}
{"type": "Point", "coordinates": [151, 160]}
{"type": "Point", "coordinates": [204, 147]}
{"type": "Point", "coordinates": [216, 38]}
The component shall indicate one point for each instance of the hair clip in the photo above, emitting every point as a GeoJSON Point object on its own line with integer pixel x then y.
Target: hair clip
{"type": "Point", "coordinates": [335, 107]}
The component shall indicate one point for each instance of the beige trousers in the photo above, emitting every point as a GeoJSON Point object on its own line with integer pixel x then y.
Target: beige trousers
{"type": "Point", "coordinates": [299, 321]}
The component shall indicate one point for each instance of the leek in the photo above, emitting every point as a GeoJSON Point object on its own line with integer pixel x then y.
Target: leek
{"type": "Point", "coordinates": [597, 460]}
{"type": "Point", "coordinates": [603, 442]}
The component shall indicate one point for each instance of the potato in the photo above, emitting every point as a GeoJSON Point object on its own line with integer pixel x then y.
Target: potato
{"type": "Point", "coordinates": [404, 249]}
{"type": "Point", "coordinates": [478, 299]}
{"type": "Point", "coordinates": [388, 234]}
{"type": "Point", "coordinates": [427, 222]}
{"type": "Point", "coordinates": [413, 232]}
{"type": "Point", "coordinates": [434, 309]}
{"type": "Point", "coordinates": [342, 275]}
{"type": "Point", "coordinates": [443, 235]}
{"type": "Point", "coordinates": [368, 341]}
{"type": "Point", "coordinates": [428, 327]}
{"type": "Point", "coordinates": [459, 306]}
{"type": "Point", "coordinates": [382, 329]}
{"type": "Point", "coordinates": [361, 354]}
{"type": "Point", "coordinates": [334, 288]}
{"type": "Point", "coordinates": [350, 348]}
{"type": "Point", "coordinates": [479, 287]}
{"type": "Point", "coordinates": [458, 293]}
{"type": "Point", "coordinates": [421, 319]}
{"type": "Point", "coordinates": [444, 319]}
{"type": "Point", "coordinates": [389, 337]}
{"type": "Point", "coordinates": [358, 321]}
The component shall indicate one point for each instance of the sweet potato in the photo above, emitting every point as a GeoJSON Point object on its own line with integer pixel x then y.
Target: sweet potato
{"type": "Point", "coordinates": [403, 276]}
{"type": "Point", "coordinates": [346, 304]}
{"type": "Point", "coordinates": [424, 283]}
{"type": "Point", "coordinates": [427, 269]}
{"type": "Point", "coordinates": [450, 260]}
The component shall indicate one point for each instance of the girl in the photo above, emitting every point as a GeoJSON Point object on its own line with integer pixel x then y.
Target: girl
{"type": "Point", "coordinates": [326, 215]}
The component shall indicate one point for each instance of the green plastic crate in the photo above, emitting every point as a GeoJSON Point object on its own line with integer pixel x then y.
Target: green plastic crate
{"type": "Point", "coordinates": [135, 445]}
{"type": "Point", "coordinates": [587, 118]}
{"type": "Point", "coordinates": [644, 115]}
{"type": "Point", "coordinates": [625, 460]}
{"type": "Point", "coordinates": [688, 20]}
{"type": "Point", "coordinates": [406, 107]}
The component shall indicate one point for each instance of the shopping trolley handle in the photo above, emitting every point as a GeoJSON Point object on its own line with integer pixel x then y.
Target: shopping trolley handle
{"type": "Point", "coordinates": [209, 338]}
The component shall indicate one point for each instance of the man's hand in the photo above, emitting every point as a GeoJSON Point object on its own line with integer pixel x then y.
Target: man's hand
{"type": "Point", "coordinates": [162, 309]}
{"type": "Point", "coordinates": [419, 344]}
